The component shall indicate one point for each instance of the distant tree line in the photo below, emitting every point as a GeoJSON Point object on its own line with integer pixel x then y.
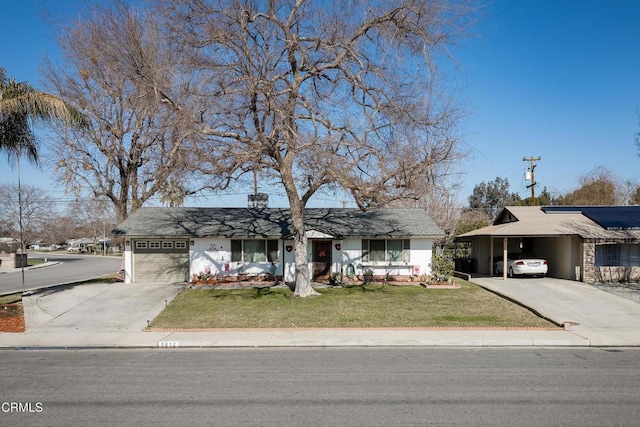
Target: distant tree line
{"type": "Point", "coordinates": [43, 222]}
{"type": "Point", "coordinates": [598, 187]}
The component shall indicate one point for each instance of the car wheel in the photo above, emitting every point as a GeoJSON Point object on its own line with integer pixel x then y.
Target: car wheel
{"type": "Point", "coordinates": [511, 272]}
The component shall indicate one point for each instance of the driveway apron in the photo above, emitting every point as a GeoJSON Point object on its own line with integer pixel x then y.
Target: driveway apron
{"type": "Point", "coordinates": [101, 307]}
{"type": "Point", "coordinates": [576, 305]}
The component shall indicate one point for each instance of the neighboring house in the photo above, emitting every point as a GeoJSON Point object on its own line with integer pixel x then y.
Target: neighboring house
{"type": "Point", "coordinates": [174, 244]}
{"type": "Point", "coordinates": [585, 243]}
{"type": "Point", "coordinates": [80, 245]}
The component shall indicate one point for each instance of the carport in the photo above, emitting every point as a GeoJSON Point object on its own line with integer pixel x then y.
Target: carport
{"type": "Point", "coordinates": [563, 253]}
{"type": "Point", "coordinates": [524, 229]}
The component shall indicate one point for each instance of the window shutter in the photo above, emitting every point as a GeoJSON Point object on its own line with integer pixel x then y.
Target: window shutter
{"type": "Point", "coordinates": [365, 250]}
{"type": "Point", "coordinates": [236, 250]}
{"type": "Point", "coordinates": [406, 250]}
{"type": "Point", "coordinates": [272, 250]}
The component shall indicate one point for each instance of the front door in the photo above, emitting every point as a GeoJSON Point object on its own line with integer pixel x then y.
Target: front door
{"type": "Point", "coordinates": [321, 259]}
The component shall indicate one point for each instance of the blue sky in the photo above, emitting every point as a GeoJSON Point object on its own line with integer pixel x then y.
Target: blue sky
{"type": "Point", "coordinates": [559, 79]}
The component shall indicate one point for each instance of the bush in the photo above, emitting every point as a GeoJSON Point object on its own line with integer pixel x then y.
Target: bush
{"type": "Point", "coordinates": [442, 266]}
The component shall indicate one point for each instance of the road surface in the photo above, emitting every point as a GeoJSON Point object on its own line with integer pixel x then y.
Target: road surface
{"type": "Point", "coordinates": [323, 386]}
{"type": "Point", "coordinates": [70, 268]}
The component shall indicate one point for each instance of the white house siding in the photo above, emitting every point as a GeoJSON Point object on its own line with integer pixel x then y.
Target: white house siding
{"type": "Point", "coordinates": [419, 259]}
{"type": "Point", "coordinates": [214, 255]}
{"type": "Point", "coordinates": [289, 262]}
{"type": "Point", "coordinates": [128, 262]}
{"type": "Point", "coordinates": [421, 255]}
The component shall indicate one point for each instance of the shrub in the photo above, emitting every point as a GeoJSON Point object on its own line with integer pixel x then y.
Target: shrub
{"type": "Point", "coordinates": [442, 266]}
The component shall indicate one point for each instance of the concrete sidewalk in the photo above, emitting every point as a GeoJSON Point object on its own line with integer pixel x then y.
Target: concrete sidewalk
{"type": "Point", "coordinates": [115, 315]}
{"type": "Point", "coordinates": [295, 338]}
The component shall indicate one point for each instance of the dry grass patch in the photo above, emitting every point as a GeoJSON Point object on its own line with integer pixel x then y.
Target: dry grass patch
{"type": "Point", "coordinates": [370, 306]}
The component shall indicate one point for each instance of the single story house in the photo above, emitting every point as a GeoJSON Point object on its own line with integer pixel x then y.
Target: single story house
{"type": "Point", "coordinates": [584, 243]}
{"type": "Point", "coordinates": [80, 245]}
{"type": "Point", "coordinates": [174, 244]}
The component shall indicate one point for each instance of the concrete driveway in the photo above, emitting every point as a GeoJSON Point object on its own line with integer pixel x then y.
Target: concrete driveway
{"type": "Point", "coordinates": [102, 307]}
{"type": "Point", "coordinates": [581, 308]}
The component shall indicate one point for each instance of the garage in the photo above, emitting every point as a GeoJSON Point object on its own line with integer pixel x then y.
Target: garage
{"type": "Point", "coordinates": [160, 260]}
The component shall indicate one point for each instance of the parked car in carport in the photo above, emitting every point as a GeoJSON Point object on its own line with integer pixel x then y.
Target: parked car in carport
{"type": "Point", "coordinates": [520, 264]}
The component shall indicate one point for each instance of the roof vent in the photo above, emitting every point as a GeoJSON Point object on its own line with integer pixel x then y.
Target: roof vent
{"type": "Point", "coordinates": [258, 201]}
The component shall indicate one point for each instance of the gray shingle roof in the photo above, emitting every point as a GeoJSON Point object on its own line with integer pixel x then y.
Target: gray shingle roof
{"type": "Point", "coordinates": [275, 223]}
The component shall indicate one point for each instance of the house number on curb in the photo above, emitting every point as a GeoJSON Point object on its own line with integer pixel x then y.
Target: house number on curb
{"type": "Point", "coordinates": [168, 344]}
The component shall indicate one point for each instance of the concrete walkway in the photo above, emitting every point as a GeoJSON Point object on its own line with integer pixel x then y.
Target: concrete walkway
{"type": "Point", "coordinates": [602, 318]}
{"type": "Point", "coordinates": [115, 316]}
{"type": "Point", "coordinates": [96, 308]}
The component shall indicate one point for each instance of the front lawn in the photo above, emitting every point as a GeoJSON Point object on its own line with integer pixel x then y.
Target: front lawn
{"type": "Point", "coordinates": [370, 306]}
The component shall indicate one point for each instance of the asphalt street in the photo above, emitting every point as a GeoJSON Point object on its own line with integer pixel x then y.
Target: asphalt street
{"type": "Point", "coordinates": [69, 268]}
{"type": "Point", "coordinates": [311, 386]}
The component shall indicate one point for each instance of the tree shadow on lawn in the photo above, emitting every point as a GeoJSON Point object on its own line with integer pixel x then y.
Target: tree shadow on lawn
{"type": "Point", "coordinates": [249, 293]}
{"type": "Point", "coordinates": [366, 287]}
{"type": "Point", "coordinates": [255, 293]}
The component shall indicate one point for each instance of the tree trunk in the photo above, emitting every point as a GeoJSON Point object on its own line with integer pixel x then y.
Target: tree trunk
{"type": "Point", "coordinates": [303, 279]}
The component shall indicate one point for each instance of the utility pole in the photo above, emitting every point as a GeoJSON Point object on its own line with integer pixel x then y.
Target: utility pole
{"type": "Point", "coordinates": [532, 165]}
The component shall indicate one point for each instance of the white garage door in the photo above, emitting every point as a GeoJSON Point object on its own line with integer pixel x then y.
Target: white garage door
{"type": "Point", "coordinates": [160, 261]}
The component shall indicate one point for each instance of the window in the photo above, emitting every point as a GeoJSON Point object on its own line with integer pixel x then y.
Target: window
{"type": "Point", "coordinates": [154, 245]}
{"type": "Point", "coordinates": [252, 250]}
{"type": "Point", "coordinates": [141, 245]}
{"type": "Point", "coordinates": [167, 245]}
{"type": "Point", "coordinates": [617, 255]}
{"type": "Point", "coordinates": [385, 250]}
{"type": "Point", "coordinates": [180, 245]}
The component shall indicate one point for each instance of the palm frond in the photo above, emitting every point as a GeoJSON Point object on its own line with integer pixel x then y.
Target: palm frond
{"type": "Point", "coordinates": [21, 105]}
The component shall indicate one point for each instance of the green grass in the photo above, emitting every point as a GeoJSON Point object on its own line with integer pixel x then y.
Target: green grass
{"type": "Point", "coordinates": [370, 306]}
{"type": "Point", "coordinates": [10, 299]}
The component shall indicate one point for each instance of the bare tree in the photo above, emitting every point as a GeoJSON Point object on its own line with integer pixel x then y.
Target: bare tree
{"type": "Point", "coordinates": [307, 94]}
{"type": "Point", "coordinates": [173, 192]}
{"type": "Point", "coordinates": [440, 202]}
{"type": "Point", "coordinates": [598, 187]}
{"type": "Point", "coordinates": [315, 95]}
{"type": "Point", "coordinates": [134, 140]}
{"type": "Point", "coordinates": [37, 211]}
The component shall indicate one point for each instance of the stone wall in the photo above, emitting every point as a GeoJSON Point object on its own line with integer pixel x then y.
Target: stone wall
{"type": "Point", "coordinates": [589, 271]}
{"type": "Point", "coordinates": [13, 260]}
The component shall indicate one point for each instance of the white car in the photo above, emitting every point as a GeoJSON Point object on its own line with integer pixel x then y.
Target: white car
{"type": "Point", "coordinates": [523, 264]}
